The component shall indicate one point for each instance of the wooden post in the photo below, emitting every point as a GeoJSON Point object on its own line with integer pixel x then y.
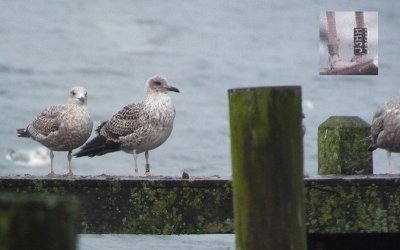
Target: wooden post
{"type": "Point", "coordinates": [267, 162]}
{"type": "Point", "coordinates": [342, 146]}
{"type": "Point", "coordinates": [38, 222]}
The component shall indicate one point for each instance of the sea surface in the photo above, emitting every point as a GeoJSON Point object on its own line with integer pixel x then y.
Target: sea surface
{"type": "Point", "coordinates": [203, 48]}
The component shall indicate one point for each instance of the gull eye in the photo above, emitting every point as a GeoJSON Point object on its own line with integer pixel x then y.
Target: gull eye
{"type": "Point", "coordinates": [73, 92]}
{"type": "Point", "coordinates": [157, 83]}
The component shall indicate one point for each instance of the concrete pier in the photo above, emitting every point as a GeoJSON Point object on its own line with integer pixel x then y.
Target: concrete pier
{"type": "Point", "coordinates": [139, 205]}
{"type": "Point", "coordinates": [337, 204]}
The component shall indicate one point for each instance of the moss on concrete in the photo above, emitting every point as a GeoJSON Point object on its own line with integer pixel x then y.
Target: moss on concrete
{"type": "Point", "coordinates": [342, 148]}
{"type": "Point", "coordinates": [184, 209]}
{"type": "Point", "coordinates": [353, 206]}
{"type": "Point", "coordinates": [123, 205]}
{"type": "Point", "coordinates": [148, 206]}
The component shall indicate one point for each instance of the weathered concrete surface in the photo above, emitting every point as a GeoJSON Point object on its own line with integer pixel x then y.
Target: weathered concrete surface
{"type": "Point", "coordinates": [334, 205]}
{"type": "Point", "coordinates": [342, 147]}
{"type": "Point", "coordinates": [139, 205]}
{"type": "Point", "coordinates": [353, 204]}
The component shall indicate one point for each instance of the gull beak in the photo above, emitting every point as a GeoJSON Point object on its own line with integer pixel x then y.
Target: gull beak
{"type": "Point", "coordinates": [170, 88]}
{"type": "Point", "coordinates": [81, 99]}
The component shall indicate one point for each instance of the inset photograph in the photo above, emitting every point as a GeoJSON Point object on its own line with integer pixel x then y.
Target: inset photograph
{"type": "Point", "coordinates": [348, 43]}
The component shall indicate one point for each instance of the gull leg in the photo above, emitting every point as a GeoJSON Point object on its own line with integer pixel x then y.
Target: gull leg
{"type": "Point", "coordinates": [146, 155]}
{"type": "Point", "coordinates": [51, 174]}
{"type": "Point", "coordinates": [69, 163]}
{"type": "Point", "coordinates": [135, 156]}
{"type": "Point", "coordinates": [389, 161]}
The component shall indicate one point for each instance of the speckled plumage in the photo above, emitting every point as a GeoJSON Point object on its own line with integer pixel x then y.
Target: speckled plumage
{"type": "Point", "coordinates": [385, 128]}
{"type": "Point", "coordinates": [137, 128]}
{"type": "Point", "coordinates": [62, 127]}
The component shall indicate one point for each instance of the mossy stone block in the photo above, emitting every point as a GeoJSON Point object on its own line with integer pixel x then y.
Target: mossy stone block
{"type": "Point", "coordinates": [341, 146]}
{"type": "Point", "coordinates": [353, 205]}
{"type": "Point", "coordinates": [335, 204]}
{"type": "Point", "coordinates": [138, 205]}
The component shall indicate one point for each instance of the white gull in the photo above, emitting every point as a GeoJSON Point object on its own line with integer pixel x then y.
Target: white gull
{"type": "Point", "coordinates": [137, 128]}
{"type": "Point", "coordinates": [385, 129]}
{"type": "Point", "coordinates": [62, 127]}
{"type": "Point", "coordinates": [30, 158]}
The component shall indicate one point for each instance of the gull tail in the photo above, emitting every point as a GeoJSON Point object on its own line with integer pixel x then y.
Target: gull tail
{"type": "Point", "coordinates": [98, 146]}
{"type": "Point", "coordinates": [23, 132]}
{"type": "Point", "coordinates": [372, 146]}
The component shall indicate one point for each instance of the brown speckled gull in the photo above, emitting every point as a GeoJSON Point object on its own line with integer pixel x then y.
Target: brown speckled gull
{"type": "Point", "coordinates": [385, 128]}
{"type": "Point", "coordinates": [137, 128]}
{"type": "Point", "coordinates": [62, 127]}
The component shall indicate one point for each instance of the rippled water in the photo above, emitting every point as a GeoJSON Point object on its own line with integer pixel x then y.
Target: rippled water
{"type": "Point", "coordinates": [144, 242]}
{"type": "Point", "coordinates": [203, 48]}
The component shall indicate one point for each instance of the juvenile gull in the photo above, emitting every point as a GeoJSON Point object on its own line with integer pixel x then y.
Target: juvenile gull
{"type": "Point", "coordinates": [385, 129]}
{"type": "Point", "coordinates": [137, 127]}
{"type": "Point", "coordinates": [62, 127]}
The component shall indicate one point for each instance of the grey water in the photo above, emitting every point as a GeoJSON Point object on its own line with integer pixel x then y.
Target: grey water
{"type": "Point", "coordinates": [203, 48]}
{"type": "Point", "coordinates": [144, 242]}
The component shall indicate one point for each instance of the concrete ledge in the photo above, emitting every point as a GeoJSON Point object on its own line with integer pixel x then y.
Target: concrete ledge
{"type": "Point", "coordinates": [334, 205]}
{"type": "Point", "coordinates": [139, 205]}
{"type": "Point", "coordinates": [366, 204]}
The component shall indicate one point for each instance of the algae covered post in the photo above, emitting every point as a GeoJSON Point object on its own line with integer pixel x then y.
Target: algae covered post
{"type": "Point", "coordinates": [342, 146]}
{"type": "Point", "coordinates": [38, 222]}
{"type": "Point", "coordinates": [267, 162]}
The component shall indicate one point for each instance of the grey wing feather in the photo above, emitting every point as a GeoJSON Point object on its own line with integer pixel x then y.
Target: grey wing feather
{"type": "Point", "coordinates": [125, 122]}
{"type": "Point", "coordinates": [389, 137]}
{"type": "Point", "coordinates": [385, 126]}
{"type": "Point", "coordinates": [48, 120]}
{"type": "Point", "coordinates": [377, 123]}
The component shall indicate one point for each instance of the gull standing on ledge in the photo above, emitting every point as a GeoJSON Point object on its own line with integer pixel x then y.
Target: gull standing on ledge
{"type": "Point", "coordinates": [137, 127]}
{"type": "Point", "coordinates": [385, 129]}
{"type": "Point", "coordinates": [62, 127]}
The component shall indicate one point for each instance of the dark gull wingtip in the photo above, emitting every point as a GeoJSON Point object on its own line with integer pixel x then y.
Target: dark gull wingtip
{"type": "Point", "coordinates": [22, 132]}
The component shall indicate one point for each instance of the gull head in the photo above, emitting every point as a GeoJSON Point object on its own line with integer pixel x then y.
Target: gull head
{"type": "Point", "coordinates": [78, 95]}
{"type": "Point", "coordinates": [158, 84]}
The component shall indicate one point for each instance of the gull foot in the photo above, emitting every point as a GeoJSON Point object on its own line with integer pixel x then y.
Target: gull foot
{"type": "Point", "coordinates": [51, 174]}
{"type": "Point", "coordinates": [69, 174]}
{"type": "Point", "coordinates": [185, 175]}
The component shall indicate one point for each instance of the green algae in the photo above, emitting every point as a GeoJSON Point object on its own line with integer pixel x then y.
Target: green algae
{"type": "Point", "coordinates": [266, 145]}
{"type": "Point", "coordinates": [342, 146]}
{"type": "Point", "coordinates": [333, 205]}
{"type": "Point", "coordinates": [354, 208]}
{"type": "Point", "coordinates": [178, 210]}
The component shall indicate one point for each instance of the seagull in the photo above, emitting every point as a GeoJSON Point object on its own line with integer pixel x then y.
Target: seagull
{"type": "Point", "coordinates": [31, 158]}
{"type": "Point", "coordinates": [385, 129]}
{"type": "Point", "coordinates": [62, 127]}
{"type": "Point", "coordinates": [137, 128]}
